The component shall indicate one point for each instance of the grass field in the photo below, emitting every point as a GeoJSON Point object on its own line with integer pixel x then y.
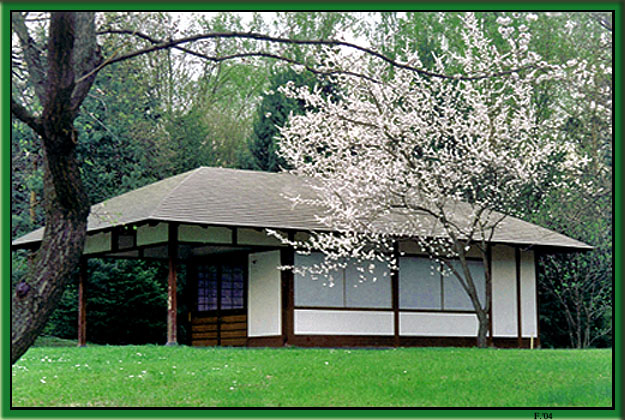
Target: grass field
{"type": "Point", "coordinates": [157, 376]}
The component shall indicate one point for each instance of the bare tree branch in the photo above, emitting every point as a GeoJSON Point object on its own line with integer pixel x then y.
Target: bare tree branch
{"type": "Point", "coordinates": [279, 40]}
{"type": "Point", "coordinates": [218, 59]}
{"type": "Point", "coordinates": [26, 117]}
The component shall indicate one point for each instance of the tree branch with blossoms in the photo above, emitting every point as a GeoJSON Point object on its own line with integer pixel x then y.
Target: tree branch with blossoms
{"type": "Point", "coordinates": [437, 160]}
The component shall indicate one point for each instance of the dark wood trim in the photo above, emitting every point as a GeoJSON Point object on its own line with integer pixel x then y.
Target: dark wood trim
{"type": "Point", "coordinates": [442, 280]}
{"type": "Point", "coordinates": [400, 310]}
{"type": "Point", "coordinates": [218, 311]}
{"type": "Point", "coordinates": [489, 259]}
{"type": "Point", "coordinates": [341, 308]}
{"type": "Point", "coordinates": [222, 313]}
{"type": "Point", "coordinates": [343, 341]}
{"type": "Point", "coordinates": [404, 341]}
{"type": "Point", "coordinates": [234, 236]}
{"type": "Point", "coordinates": [82, 304]}
{"type": "Point", "coordinates": [517, 263]}
{"type": "Point", "coordinates": [287, 258]}
{"type": "Point", "coordinates": [439, 311]}
{"type": "Point", "coordinates": [172, 307]}
{"type": "Point", "coordinates": [114, 241]}
{"type": "Point", "coordinates": [426, 256]}
{"type": "Point", "coordinates": [118, 232]}
{"type": "Point", "coordinates": [537, 302]}
{"type": "Point", "coordinates": [141, 248]}
{"type": "Point", "coordinates": [268, 341]}
{"type": "Point", "coordinates": [154, 222]}
{"type": "Point", "coordinates": [395, 295]}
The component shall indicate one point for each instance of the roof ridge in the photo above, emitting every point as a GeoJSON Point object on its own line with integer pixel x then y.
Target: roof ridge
{"type": "Point", "coordinates": [191, 173]}
{"type": "Point", "coordinates": [254, 171]}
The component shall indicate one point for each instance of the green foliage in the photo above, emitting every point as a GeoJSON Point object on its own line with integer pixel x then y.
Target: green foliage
{"type": "Point", "coordinates": [126, 304]}
{"type": "Point", "coordinates": [271, 114]}
{"type": "Point", "coordinates": [157, 376]}
{"type": "Point", "coordinates": [51, 341]}
{"type": "Point", "coordinates": [575, 290]}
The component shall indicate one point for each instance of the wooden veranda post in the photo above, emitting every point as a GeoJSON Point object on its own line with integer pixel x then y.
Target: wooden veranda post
{"type": "Point", "coordinates": [172, 307]}
{"type": "Point", "coordinates": [395, 295]}
{"type": "Point", "coordinates": [82, 304]}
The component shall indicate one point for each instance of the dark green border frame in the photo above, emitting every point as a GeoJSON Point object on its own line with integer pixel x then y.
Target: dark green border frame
{"type": "Point", "coordinates": [5, 173]}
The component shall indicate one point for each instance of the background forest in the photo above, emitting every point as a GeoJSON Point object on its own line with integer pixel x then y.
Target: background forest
{"type": "Point", "coordinates": [168, 112]}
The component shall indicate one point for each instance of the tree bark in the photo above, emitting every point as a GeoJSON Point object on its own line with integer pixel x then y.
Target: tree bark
{"type": "Point", "coordinates": [65, 201]}
{"type": "Point", "coordinates": [482, 331]}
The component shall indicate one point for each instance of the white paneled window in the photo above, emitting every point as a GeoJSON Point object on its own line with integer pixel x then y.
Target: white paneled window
{"type": "Point", "coordinates": [311, 291]}
{"type": "Point", "coordinates": [349, 289]}
{"type": "Point", "coordinates": [421, 286]}
{"type": "Point", "coordinates": [455, 297]}
{"type": "Point", "coordinates": [372, 291]}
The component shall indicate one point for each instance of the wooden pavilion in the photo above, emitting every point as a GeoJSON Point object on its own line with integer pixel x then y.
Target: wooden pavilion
{"type": "Point", "coordinates": [215, 220]}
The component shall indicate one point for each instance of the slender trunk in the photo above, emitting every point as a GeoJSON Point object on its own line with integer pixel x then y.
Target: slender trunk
{"type": "Point", "coordinates": [482, 331]}
{"type": "Point", "coordinates": [466, 280]}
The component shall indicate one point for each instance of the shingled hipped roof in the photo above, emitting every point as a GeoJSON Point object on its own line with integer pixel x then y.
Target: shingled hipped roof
{"type": "Point", "coordinates": [232, 197]}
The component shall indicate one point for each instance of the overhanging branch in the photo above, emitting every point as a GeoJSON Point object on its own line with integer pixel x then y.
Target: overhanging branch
{"type": "Point", "coordinates": [279, 40]}
{"type": "Point", "coordinates": [218, 59]}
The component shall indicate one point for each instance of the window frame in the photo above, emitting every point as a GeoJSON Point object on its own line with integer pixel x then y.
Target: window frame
{"type": "Point", "coordinates": [344, 289]}
{"type": "Point", "coordinates": [441, 277]}
{"type": "Point", "coordinates": [240, 260]}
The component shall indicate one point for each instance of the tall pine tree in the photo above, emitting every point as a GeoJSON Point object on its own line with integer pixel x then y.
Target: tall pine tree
{"type": "Point", "coordinates": [272, 113]}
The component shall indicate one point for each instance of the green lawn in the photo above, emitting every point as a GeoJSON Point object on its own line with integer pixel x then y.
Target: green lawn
{"type": "Point", "coordinates": [155, 376]}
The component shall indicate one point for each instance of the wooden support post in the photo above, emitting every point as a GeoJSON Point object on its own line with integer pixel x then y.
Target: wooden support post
{"type": "Point", "coordinates": [489, 259]}
{"type": "Point", "coordinates": [172, 307]}
{"type": "Point", "coordinates": [395, 295]}
{"type": "Point", "coordinates": [517, 259]}
{"type": "Point", "coordinates": [537, 301]}
{"type": "Point", "coordinates": [287, 257]}
{"type": "Point", "coordinates": [82, 304]}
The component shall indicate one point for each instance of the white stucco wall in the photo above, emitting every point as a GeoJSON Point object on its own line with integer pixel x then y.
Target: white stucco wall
{"type": "Point", "coordinates": [204, 234]}
{"type": "Point", "coordinates": [528, 295]}
{"type": "Point", "coordinates": [437, 324]}
{"type": "Point", "coordinates": [319, 322]}
{"type": "Point", "coordinates": [264, 315]}
{"type": "Point", "coordinates": [147, 234]}
{"type": "Point", "coordinates": [256, 237]}
{"type": "Point", "coordinates": [100, 242]}
{"type": "Point", "coordinates": [504, 292]}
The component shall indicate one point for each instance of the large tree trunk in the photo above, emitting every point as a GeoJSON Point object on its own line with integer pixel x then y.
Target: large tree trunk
{"type": "Point", "coordinates": [36, 298]}
{"type": "Point", "coordinates": [71, 52]}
